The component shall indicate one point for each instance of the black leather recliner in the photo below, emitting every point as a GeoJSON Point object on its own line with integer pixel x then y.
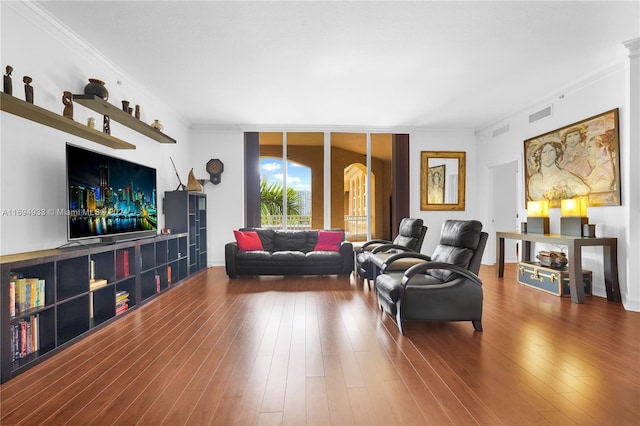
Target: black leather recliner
{"type": "Point", "coordinates": [443, 286]}
{"type": "Point", "coordinates": [410, 236]}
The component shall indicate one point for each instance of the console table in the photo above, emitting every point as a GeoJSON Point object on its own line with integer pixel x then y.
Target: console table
{"type": "Point", "coordinates": [574, 247]}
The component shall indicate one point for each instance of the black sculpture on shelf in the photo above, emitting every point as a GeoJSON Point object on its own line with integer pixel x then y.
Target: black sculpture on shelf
{"type": "Point", "coordinates": [67, 100]}
{"type": "Point", "coordinates": [106, 125]}
{"type": "Point", "coordinates": [8, 85]}
{"type": "Point", "coordinates": [97, 88]}
{"type": "Point", "coordinates": [28, 89]}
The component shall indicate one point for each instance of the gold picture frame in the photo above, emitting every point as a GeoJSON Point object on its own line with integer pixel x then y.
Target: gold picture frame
{"type": "Point", "coordinates": [581, 159]}
{"type": "Point", "coordinates": [451, 167]}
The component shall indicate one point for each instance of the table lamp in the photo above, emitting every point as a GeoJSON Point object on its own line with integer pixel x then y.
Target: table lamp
{"type": "Point", "coordinates": [538, 217]}
{"type": "Point", "coordinates": [574, 216]}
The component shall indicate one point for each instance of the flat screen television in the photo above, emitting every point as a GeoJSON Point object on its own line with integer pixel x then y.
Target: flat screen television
{"type": "Point", "coordinates": [109, 198]}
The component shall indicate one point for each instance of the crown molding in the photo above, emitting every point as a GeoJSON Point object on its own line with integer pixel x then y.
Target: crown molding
{"type": "Point", "coordinates": [40, 18]}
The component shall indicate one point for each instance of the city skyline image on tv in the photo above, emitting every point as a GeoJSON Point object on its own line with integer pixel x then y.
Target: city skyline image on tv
{"type": "Point", "coordinates": [108, 195]}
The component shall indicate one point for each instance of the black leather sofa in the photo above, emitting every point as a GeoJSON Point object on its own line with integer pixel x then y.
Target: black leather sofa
{"type": "Point", "coordinates": [288, 253]}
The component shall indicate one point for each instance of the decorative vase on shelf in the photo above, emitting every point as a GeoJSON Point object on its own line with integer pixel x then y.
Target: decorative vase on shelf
{"type": "Point", "coordinates": [96, 87]}
{"type": "Point", "coordinates": [157, 125]}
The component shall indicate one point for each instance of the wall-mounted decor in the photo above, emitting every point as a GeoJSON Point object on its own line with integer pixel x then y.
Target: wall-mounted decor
{"type": "Point", "coordinates": [8, 84]}
{"type": "Point", "coordinates": [435, 184]}
{"type": "Point", "coordinates": [67, 101]}
{"type": "Point", "coordinates": [442, 180]}
{"type": "Point", "coordinates": [28, 89]}
{"type": "Point", "coordinates": [582, 159]}
{"type": "Point", "coordinates": [215, 167]}
{"type": "Point", "coordinates": [96, 87]}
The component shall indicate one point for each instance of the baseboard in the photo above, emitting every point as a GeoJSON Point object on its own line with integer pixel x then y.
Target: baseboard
{"type": "Point", "coordinates": [631, 304]}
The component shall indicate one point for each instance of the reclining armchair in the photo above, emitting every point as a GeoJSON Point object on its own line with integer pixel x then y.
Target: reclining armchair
{"type": "Point", "coordinates": [441, 287]}
{"type": "Point", "coordinates": [409, 239]}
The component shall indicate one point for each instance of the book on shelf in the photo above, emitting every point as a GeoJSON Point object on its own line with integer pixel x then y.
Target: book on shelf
{"type": "Point", "coordinates": [122, 301]}
{"type": "Point", "coordinates": [12, 298]}
{"type": "Point", "coordinates": [96, 284]}
{"type": "Point", "coordinates": [122, 308]}
{"type": "Point", "coordinates": [169, 275]}
{"type": "Point", "coordinates": [25, 337]}
{"type": "Point", "coordinates": [21, 295]}
{"type": "Point", "coordinates": [28, 293]}
{"type": "Point", "coordinates": [158, 284]}
{"type": "Point", "coordinates": [122, 263]}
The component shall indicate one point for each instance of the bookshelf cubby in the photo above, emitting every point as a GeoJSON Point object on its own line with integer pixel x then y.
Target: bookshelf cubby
{"type": "Point", "coordinates": [124, 262]}
{"type": "Point", "coordinates": [71, 307]}
{"type": "Point", "coordinates": [72, 277]}
{"type": "Point", "coordinates": [186, 211]}
{"type": "Point", "coordinates": [103, 305]}
{"type": "Point", "coordinates": [103, 266]}
{"type": "Point", "coordinates": [128, 285]}
{"type": "Point", "coordinates": [72, 318]}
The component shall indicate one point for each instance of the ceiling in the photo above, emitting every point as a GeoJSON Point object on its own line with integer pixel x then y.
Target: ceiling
{"type": "Point", "coordinates": [385, 64]}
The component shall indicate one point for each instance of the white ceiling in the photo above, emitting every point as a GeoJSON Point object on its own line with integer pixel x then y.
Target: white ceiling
{"type": "Point", "coordinates": [374, 64]}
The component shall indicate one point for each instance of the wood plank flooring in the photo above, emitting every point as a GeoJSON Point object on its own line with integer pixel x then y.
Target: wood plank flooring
{"type": "Point", "coordinates": [318, 351]}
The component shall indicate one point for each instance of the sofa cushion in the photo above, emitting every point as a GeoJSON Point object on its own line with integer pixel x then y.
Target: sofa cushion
{"type": "Point", "coordinates": [288, 256]}
{"type": "Point", "coordinates": [248, 240]}
{"type": "Point", "coordinates": [253, 256]}
{"type": "Point", "coordinates": [267, 236]}
{"type": "Point", "coordinates": [329, 241]}
{"type": "Point", "coordinates": [323, 256]}
{"type": "Point", "coordinates": [290, 240]}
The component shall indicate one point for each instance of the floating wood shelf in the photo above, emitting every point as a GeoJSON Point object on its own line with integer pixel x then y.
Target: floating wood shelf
{"type": "Point", "coordinates": [40, 115]}
{"type": "Point", "coordinates": [105, 108]}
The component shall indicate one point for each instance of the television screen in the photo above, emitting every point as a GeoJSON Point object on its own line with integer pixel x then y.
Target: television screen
{"type": "Point", "coordinates": [108, 196]}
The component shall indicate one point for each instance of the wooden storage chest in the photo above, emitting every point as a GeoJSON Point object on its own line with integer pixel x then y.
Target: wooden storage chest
{"type": "Point", "coordinates": [554, 281]}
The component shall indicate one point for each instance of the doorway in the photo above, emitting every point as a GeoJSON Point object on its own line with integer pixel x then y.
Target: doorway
{"type": "Point", "coordinates": [504, 214]}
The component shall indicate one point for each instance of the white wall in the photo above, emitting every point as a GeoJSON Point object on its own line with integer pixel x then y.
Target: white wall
{"type": "Point", "coordinates": [32, 157]}
{"type": "Point", "coordinates": [443, 140]}
{"type": "Point", "coordinates": [599, 94]}
{"type": "Point", "coordinates": [225, 201]}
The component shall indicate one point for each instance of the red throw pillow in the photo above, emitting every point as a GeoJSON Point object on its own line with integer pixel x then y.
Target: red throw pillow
{"type": "Point", "coordinates": [329, 241]}
{"type": "Point", "coordinates": [248, 240]}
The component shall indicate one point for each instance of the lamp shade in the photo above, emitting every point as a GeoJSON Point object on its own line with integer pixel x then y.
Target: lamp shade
{"type": "Point", "coordinates": [538, 208]}
{"type": "Point", "coordinates": [574, 207]}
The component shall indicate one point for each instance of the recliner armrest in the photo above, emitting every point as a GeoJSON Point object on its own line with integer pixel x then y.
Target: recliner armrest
{"type": "Point", "coordinates": [423, 267]}
{"type": "Point", "coordinates": [386, 247]}
{"type": "Point", "coordinates": [397, 256]}
{"type": "Point", "coordinates": [370, 242]}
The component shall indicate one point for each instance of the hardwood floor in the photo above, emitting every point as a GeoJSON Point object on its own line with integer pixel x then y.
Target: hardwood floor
{"type": "Point", "coordinates": [317, 350]}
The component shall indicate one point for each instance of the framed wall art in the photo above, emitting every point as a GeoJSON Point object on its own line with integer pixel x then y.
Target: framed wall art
{"type": "Point", "coordinates": [581, 159]}
{"type": "Point", "coordinates": [435, 184]}
{"type": "Point", "coordinates": [442, 180]}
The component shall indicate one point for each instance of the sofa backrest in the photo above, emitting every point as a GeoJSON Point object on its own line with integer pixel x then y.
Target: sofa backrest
{"type": "Point", "coordinates": [411, 233]}
{"type": "Point", "coordinates": [291, 240]}
{"type": "Point", "coordinates": [461, 243]}
{"type": "Point", "coordinates": [279, 240]}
